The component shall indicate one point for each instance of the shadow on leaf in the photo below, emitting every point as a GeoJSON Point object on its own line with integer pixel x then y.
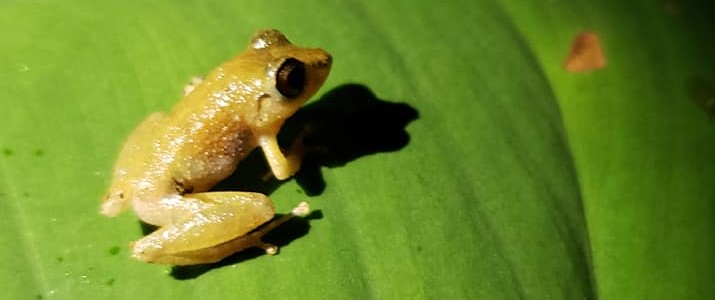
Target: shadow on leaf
{"type": "Point", "coordinates": [348, 122]}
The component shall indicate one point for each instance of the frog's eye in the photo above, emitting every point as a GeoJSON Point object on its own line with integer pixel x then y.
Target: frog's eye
{"type": "Point", "coordinates": [290, 78]}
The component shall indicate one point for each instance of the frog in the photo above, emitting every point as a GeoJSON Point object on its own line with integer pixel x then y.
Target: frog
{"type": "Point", "coordinates": [167, 166]}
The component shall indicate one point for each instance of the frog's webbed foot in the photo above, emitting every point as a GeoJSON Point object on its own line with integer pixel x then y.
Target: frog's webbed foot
{"type": "Point", "coordinates": [191, 86]}
{"type": "Point", "coordinates": [301, 210]}
{"type": "Point", "coordinates": [233, 221]}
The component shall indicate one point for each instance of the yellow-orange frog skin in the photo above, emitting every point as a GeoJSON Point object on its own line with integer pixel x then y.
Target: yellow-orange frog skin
{"type": "Point", "coordinates": [168, 164]}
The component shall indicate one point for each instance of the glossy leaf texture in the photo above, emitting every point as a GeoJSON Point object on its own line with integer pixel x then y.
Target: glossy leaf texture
{"type": "Point", "coordinates": [465, 162]}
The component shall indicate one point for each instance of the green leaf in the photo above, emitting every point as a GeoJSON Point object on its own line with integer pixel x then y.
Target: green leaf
{"type": "Point", "coordinates": [519, 180]}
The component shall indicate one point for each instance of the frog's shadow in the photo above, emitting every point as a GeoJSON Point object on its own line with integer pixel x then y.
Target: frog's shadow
{"type": "Point", "coordinates": [348, 122]}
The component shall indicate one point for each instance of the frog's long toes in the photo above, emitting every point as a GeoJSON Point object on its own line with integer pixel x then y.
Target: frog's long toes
{"type": "Point", "coordinates": [269, 248]}
{"type": "Point", "coordinates": [302, 210]}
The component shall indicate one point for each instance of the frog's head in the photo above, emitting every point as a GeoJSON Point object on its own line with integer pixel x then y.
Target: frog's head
{"type": "Point", "coordinates": [292, 76]}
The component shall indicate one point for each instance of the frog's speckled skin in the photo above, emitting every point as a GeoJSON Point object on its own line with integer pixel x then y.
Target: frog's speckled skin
{"type": "Point", "coordinates": [170, 161]}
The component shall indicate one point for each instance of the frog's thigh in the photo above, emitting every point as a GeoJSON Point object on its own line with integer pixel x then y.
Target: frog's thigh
{"type": "Point", "coordinates": [194, 239]}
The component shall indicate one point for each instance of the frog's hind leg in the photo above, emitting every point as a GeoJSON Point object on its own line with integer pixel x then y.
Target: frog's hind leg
{"type": "Point", "coordinates": [227, 225]}
{"type": "Point", "coordinates": [301, 210]}
{"type": "Point", "coordinates": [252, 239]}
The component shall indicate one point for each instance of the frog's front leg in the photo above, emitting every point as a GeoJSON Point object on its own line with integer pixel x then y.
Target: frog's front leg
{"type": "Point", "coordinates": [282, 166]}
{"type": "Point", "coordinates": [228, 223]}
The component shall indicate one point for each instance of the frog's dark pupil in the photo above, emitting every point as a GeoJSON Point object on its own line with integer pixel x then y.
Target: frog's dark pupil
{"type": "Point", "coordinates": [290, 78]}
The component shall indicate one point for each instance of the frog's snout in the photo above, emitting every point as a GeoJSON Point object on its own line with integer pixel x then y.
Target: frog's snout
{"type": "Point", "coordinates": [323, 60]}
{"type": "Point", "coordinates": [321, 64]}
{"type": "Point", "coordinates": [326, 62]}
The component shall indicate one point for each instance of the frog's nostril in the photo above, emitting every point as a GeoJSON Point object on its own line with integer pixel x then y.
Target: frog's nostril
{"type": "Point", "coordinates": [326, 62]}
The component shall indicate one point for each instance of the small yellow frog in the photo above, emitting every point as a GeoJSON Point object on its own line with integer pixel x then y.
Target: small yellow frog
{"type": "Point", "coordinates": [170, 161]}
